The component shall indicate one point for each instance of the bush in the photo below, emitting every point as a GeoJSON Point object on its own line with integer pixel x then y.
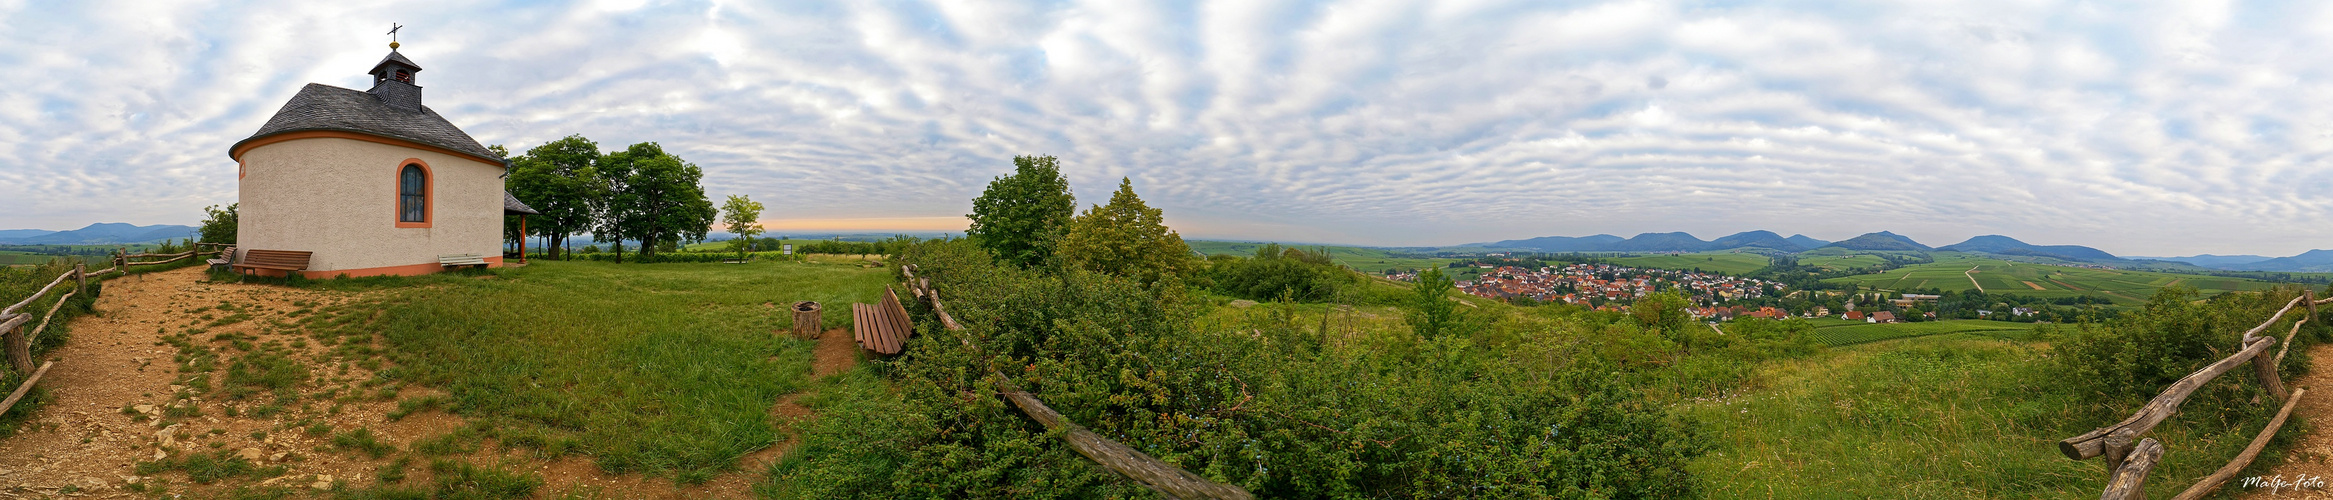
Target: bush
{"type": "Point", "coordinates": [1276, 273]}
{"type": "Point", "coordinates": [2131, 359]}
{"type": "Point", "coordinates": [1271, 406]}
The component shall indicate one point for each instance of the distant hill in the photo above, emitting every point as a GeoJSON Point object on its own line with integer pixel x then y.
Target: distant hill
{"type": "Point", "coordinates": [1804, 242]}
{"type": "Point", "coordinates": [2313, 261]}
{"type": "Point", "coordinates": [1661, 242]}
{"type": "Point", "coordinates": [104, 233]}
{"type": "Point", "coordinates": [7, 235]}
{"type": "Point", "coordinates": [1559, 244]}
{"type": "Point", "coordinates": [2003, 245]}
{"type": "Point", "coordinates": [1757, 239]}
{"type": "Point", "coordinates": [2214, 261]}
{"type": "Point", "coordinates": [1882, 240]}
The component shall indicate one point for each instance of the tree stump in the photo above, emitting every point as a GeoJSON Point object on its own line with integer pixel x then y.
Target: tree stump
{"type": "Point", "coordinates": [806, 319]}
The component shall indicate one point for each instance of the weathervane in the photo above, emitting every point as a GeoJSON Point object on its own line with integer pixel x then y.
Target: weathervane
{"type": "Point", "coordinates": [393, 27]}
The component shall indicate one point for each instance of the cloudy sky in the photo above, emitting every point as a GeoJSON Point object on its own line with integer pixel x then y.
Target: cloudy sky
{"type": "Point", "coordinates": [2175, 128]}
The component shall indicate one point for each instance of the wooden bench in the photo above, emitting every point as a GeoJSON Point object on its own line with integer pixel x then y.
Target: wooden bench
{"type": "Point", "coordinates": [274, 260]}
{"type": "Point", "coordinates": [226, 258]}
{"type": "Point", "coordinates": [462, 260]}
{"type": "Point", "coordinates": [882, 328]}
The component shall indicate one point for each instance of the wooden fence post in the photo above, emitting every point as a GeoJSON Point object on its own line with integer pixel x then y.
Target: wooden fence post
{"type": "Point", "coordinates": [80, 277]}
{"type": "Point", "coordinates": [2264, 368]}
{"type": "Point", "coordinates": [2310, 297]}
{"type": "Point", "coordinates": [18, 345]}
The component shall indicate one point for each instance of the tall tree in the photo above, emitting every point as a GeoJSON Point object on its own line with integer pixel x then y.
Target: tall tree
{"type": "Point", "coordinates": [220, 226]}
{"type": "Point", "coordinates": [560, 179]}
{"type": "Point", "coordinates": [653, 197]}
{"type": "Point", "coordinates": [743, 217]}
{"type": "Point", "coordinates": [1126, 238]}
{"type": "Point", "coordinates": [1022, 216]}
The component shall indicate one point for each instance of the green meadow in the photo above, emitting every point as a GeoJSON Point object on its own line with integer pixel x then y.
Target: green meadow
{"type": "Point", "coordinates": [1845, 332]}
{"type": "Point", "coordinates": [1944, 416]}
{"type": "Point", "coordinates": [662, 369]}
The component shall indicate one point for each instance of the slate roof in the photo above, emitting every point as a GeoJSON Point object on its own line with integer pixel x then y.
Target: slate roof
{"type": "Point", "coordinates": [511, 206]}
{"type": "Point", "coordinates": [325, 107]}
{"type": "Point", "coordinates": [399, 58]}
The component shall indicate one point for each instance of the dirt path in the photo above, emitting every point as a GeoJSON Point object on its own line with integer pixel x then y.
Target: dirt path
{"type": "Point", "coordinates": [1971, 273]}
{"type": "Point", "coordinates": [114, 405]}
{"type": "Point", "coordinates": [2035, 286]}
{"type": "Point", "coordinates": [2312, 455]}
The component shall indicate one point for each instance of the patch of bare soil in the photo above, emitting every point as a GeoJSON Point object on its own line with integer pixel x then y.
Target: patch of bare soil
{"type": "Point", "coordinates": [115, 403]}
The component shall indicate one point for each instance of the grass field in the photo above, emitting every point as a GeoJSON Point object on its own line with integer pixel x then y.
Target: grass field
{"type": "Point", "coordinates": [1717, 262]}
{"type": "Point", "coordinates": [1951, 272]}
{"type": "Point", "coordinates": [1945, 416]}
{"type": "Point", "coordinates": [1857, 333]}
{"type": "Point", "coordinates": [665, 369]}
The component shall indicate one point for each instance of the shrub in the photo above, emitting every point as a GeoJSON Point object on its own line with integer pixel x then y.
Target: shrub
{"type": "Point", "coordinates": [1276, 272]}
{"type": "Point", "coordinates": [1271, 406]}
{"type": "Point", "coordinates": [2131, 359]}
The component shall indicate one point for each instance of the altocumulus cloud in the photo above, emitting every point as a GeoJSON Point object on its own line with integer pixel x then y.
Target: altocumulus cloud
{"type": "Point", "coordinates": [2174, 127]}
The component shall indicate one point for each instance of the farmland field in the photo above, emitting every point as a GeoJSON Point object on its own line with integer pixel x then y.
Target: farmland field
{"type": "Point", "coordinates": [1857, 333]}
{"type": "Point", "coordinates": [1366, 260]}
{"type": "Point", "coordinates": [1717, 262]}
{"type": "Point", "coordinates": [1842, 261]}
{"type": "Point", "coordinates": [1998, 276]}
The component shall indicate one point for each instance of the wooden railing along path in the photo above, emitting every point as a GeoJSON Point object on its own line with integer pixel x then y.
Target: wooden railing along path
{"type": "Point", "coordinates": [1165, 478]}
{"type": "Point", "coordinates": [2129, 458]}
{"type": "Point", "coordinates": [17, 342]}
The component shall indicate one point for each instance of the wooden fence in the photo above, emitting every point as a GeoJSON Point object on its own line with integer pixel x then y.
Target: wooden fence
{"type": "Point", "coordinates": [17, 342]}
{"type": "Point", "coordinates": [2129, 461]}
{"type": "Point", "coordinates": [1166, 479]}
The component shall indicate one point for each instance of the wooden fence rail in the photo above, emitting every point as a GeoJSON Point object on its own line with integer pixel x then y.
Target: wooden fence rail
{"type": "Point", "coordinates": [1166, 479]}
{"type": "Point", "coordinates": [16, 342]}
{"type": "Point", "coordinates": [2129, 457]}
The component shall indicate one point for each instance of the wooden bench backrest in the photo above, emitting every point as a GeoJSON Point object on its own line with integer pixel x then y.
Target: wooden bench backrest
{"type": "Point", "coordinates": [882, 327]}
{"type": "Point", "coordinates": [277, 258]}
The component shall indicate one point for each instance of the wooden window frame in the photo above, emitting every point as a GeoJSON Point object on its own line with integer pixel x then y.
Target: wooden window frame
{"type": "Point", "coordinates": [428, 194]}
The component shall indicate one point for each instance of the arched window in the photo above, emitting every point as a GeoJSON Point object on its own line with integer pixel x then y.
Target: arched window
{"type": "Point", "coordinates": [412, 194]}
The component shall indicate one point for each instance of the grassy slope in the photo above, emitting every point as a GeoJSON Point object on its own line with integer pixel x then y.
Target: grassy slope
{"type": "Point", "coordinates": [1857, 333]}
{"type": "Point", "coordinates": [1718, 262]}
{"type": "Point", "coordinates": [668, 369]}
{"type": "Point", "coordinates": [1998, 276]}
{"type": "Point", "coordinates": [1949, 416]}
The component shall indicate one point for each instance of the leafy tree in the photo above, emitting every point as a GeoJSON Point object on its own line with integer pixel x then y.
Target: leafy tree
{"type": "Point", "coordinates": [220, 226]}
{"type": "Point", "coordinates": [1125, 238]}
{"type": "Point", "coordinates": [1434, 313]}
{"type": "Point", "coordinates": [1021, 216]}
{"type": "Point", "coordinates": [743, 216]}
{"type": "Point", "coordinates": [561, 180]}
{"type": "Point", "coordinates": [651, 196]}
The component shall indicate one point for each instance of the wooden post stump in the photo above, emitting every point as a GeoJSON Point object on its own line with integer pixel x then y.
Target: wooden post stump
{"type": "Point", "coordinates": [18, 344]}
{"type": "Point", "coordinates": [806, 319]}
{"type": "Point", "coordinates": [80, 277]}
